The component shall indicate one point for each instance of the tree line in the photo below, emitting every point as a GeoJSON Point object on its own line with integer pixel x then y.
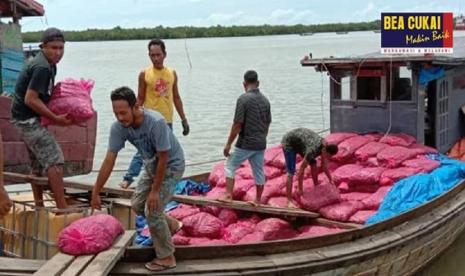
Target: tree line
{"type": "Point", "coordinates": [118, 33]}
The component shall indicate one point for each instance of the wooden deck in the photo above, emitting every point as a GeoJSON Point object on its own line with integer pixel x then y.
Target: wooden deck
{"type": "Point", "coordinates": [88, 265]}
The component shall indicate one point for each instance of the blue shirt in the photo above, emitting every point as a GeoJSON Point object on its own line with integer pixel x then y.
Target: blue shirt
{"type": "Point", "coordinates": [152, 136]}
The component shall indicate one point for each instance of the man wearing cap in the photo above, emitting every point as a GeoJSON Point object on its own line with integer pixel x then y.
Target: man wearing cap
{"type": "Point", "coordinates": [251, 122]}
{"type": "Point", "coordinates": [32, 92]}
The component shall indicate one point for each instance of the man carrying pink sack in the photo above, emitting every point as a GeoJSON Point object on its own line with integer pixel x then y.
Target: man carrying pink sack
{"type": "Point", "coordinates": [71, 97]}
{"type": "Point", "coordinates": [32, 92]}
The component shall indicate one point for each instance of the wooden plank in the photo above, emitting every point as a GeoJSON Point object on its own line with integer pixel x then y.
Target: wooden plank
{"type": "Point", "coordinates": [244, 206]}
{"type": "Point", "coordinates": [14, 274]}
{"type": "Point", "coordinates": [126, 193]}
{"type": "Point", "coordinates": [343, 225]}
{"type": "Point", "coordinates": [19, 265]}
{"type": "Point", "coordinates": [78, 265]}
{"type": "Point", "coordinates": [55, 266]}
{"type": "Point", "coordinates": [16, 177]}
{"type": "Point", "coordinates": [104, 261]}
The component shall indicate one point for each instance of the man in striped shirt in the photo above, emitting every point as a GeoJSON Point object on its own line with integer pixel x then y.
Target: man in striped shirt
{"type": "Point", "coordinates": [252, 120]}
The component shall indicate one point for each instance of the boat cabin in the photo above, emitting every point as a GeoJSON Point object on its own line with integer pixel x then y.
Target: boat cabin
{"type": "Point", "coordinates": [421, 95]}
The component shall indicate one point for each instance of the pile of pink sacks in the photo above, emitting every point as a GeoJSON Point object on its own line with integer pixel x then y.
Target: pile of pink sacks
{"type": "Point", "coordinates": [216, 226]}
{"type": "Point", "coordinates": [363, 170]}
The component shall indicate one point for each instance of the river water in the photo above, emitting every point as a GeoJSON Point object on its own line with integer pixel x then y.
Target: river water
{"type": "Point", "coordinates": [210, 86]}
{"type": "Point", "coordinates": [210, 74]}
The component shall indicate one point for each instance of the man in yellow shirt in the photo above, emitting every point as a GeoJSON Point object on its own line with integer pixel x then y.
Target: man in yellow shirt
{"type": "Point", "coordinates": [157, 90]}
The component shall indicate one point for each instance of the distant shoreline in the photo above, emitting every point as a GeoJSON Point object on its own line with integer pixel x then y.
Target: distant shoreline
{"type": "Point", "coordinates": [118, 33]}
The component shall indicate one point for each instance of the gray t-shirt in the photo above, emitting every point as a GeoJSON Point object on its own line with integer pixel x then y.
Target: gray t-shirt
{"type": "Point", "coordinates": [152, 136]}
{"type": "Point", "coordinates": [254, 113]}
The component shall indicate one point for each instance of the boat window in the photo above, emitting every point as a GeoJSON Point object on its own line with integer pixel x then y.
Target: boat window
{"type": "Point", "coordinates": [341, 88]}
{"type": "Point", "coordinates": [345, 88]}
{"type": "Point", "coordinates": [369, 88]}
{"type": "Point", "coordinates": [402, 85]}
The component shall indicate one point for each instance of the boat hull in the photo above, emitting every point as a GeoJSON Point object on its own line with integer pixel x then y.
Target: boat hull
{"type": "Point", "coordinates": [418, 237]}
{"type": "Point", "coordinates": [401, 245]}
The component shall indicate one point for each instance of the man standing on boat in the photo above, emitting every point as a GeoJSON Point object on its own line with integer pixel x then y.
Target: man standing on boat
{"type": "Point", "coordinates": [164, 158]}
{"type": "Point", "coordinates": [252, 120]}
{"type": "Point", "coordinates": [32, 92]}
{"type": "Point", "coordinates": [309, 145]}
{"type": "Point", "coordinates": [158, 90]}
{"type": "Point", "coordinates": [5, 202]}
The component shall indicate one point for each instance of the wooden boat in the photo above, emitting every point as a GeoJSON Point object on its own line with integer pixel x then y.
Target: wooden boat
{"type": "Point", "coordinates": [398, 246]}
{"type": "Point", "coordinates": [459, 23]}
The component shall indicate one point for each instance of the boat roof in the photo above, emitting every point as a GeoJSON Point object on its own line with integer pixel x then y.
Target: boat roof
{"type": "Point", "coordinates": [457, 58]}
{"type": "Point", "coordinates": [23, 8]}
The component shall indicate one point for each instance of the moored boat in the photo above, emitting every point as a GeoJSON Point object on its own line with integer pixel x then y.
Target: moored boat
{"type": "Point", "coordinates": [370, 93]}
{"type": "Point", "coordinates": [459, 23]}
{"type": "Point", "coordinates": [400, 245]}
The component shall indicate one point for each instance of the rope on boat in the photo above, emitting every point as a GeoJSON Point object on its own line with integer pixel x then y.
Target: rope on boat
{"type": "Point", "coordinates": [321, 101]}
{"type": "Point", "coordinates": [187, 52]}
{"type": "Point", "coordinates": [390, 99]}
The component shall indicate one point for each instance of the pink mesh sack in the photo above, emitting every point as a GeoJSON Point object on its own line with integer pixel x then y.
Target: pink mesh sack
{"type": "Point", "coordinates": [89, 235]}
{"type": "Point", "coordinates": [203, 225]}
{"type": "Point", "coordinates": [71, 97]}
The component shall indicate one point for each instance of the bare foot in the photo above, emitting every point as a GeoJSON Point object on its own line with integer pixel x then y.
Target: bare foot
{"type": "Point", "coordinates": [178, 228]}
{"type": "Point", "coordinates": [291, 205]}
{"type": "Point", "coordinates": [254, 203]}
{"type": "Point", "coordinates": [124, 184]}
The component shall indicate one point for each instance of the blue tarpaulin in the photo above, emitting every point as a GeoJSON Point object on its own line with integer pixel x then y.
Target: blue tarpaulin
{"type": "Point", "coordinates": [187, 187]}
{"type": "Point", "coordinates": [415, 190]}
{"type": "Point", "coordinates": [430, 74]}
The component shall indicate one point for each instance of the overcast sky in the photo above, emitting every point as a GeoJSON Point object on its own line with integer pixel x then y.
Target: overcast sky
{"type": "Point", "coordinates": [104, 14]}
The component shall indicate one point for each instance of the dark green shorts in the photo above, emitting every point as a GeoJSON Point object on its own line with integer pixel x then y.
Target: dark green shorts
{"type": "Point", "coordinates": [42, 146]}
